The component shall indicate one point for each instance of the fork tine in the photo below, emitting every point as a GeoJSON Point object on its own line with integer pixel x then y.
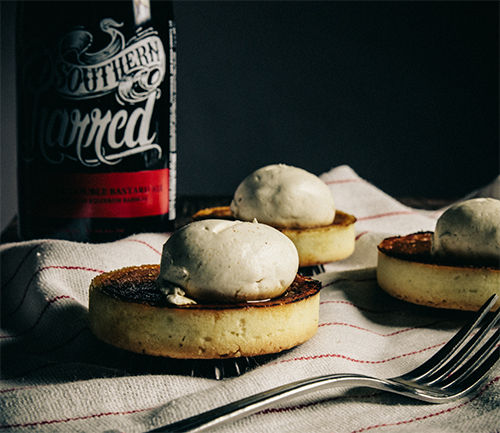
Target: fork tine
{"type": "Point", "coordinates": [452, 346]}
{"type": "Point", "coordinates": [466, 351]}
{"type": "Point", "coordinates": [476, 376]}
{"type": "Point", "coordinates": [474, 363]}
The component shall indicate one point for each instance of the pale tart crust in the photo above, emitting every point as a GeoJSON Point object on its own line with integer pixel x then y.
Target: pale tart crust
{"type": "Point", "coordinates": [126, 311]}
{"type": "Point", "coordinates": [407, 271]}
{"type": "Point", "coordinates": [315, 245]}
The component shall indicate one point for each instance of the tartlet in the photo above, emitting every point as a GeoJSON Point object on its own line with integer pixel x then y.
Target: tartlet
{"type": "Point", "coordinates": [407, 270]}
{"type": "Point", "coordinates": [315, 245]}
{"type": "Point", "coordinates": [127, 311]}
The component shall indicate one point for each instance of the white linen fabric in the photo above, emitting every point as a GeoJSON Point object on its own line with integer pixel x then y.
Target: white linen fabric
{"type": "Point", "coordinates": [57, 377]}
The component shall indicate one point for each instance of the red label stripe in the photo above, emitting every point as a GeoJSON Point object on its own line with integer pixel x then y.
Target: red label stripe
{"type": "Point", "coordinates": [101, 195]}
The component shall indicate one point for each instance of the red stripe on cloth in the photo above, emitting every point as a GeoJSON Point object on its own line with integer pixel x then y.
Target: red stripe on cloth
{"type": "Point", "coordinates": [363, 396]}
{"type": "Point", "coordinates": [359, 361]}
{"type": "Point", "coordinates": [378, 333]}
{"type": "Point", "coordinates": [358, 307]}
{"type": "Point", "coordinates": [332, 182]}
{"type": "Point", "coordinates": [100, 415]}
{"type": "Point", "coordinates": [71, 268]}
{"type": "Point", "coordinates": [431, 415]}
{"type": "Point", "coordinates": [143, 243]}
{"type": "Point", "coordinates": [361, 234]}
{"type": "Point", "coordinates": [62, 267]}
{"type": "Point", "coordinates": [49, 303]}
{"type": "Point", "coordinates": [3, 391]}
{"type": "Point", "coordinates": [388, 214]}
{"type": "Point", "coordinates": [80, 418]}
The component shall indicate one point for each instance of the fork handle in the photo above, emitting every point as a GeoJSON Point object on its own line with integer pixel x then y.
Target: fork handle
{"type": "Point", "coordinates": [249, 405]}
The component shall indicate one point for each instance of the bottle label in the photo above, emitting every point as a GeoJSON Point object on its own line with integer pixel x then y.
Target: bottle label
{"type": "Point", "coordinates": [78, 129]}
{"type": "Point", "coordinates": [102, 195]}
{"type": "Point", "coordinates": [133, 69]}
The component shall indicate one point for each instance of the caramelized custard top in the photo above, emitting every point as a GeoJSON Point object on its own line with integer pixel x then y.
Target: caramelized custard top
{"type": "Point", "coordinates": [138, 284]}
{"type": "Point", "coordinates": [224, 212]}
{"type": "Point", "coordinates": [416, 247]}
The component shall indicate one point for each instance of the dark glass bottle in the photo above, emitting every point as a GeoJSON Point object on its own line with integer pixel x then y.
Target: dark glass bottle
{"type": "Point", "coordinates": [96, 98]}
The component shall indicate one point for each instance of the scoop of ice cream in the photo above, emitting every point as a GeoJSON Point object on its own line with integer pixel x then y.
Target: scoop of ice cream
{"type": "Point", "coordinates": [469, 232]}
{"type": "Point", "coordinates": [226, 261]}
{"type": "Point", "coordinates": [284, 196]}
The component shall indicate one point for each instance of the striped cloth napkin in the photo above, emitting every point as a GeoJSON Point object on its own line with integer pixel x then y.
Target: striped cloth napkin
{"type": "Point", "coordinates": [57, 377]}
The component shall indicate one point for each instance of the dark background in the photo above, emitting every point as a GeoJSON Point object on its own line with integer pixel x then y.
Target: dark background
{"type": "Point", "coordinates": [406, 93]}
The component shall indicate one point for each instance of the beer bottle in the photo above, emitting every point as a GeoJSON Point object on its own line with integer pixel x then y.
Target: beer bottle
{"type": "Point", "coordinates": [96, 114]}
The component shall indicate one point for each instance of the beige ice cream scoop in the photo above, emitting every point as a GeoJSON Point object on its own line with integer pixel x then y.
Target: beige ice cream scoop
{"type": "Point", "coordinates": [217, 260]}
{"type": "Point", "coordinates": [284, 196]}
{"type": "Point", "coordinates": [469, 232]}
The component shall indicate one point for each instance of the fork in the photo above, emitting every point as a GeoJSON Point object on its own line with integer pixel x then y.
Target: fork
{"type": "Point", "coordinates": [311, 271]}
{"type": "Point", "coordinates": [456, 369]}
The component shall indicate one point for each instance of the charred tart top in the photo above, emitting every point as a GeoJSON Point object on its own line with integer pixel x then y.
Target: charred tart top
{"type": "Point", "coordinates": [416, 247]}
{"type": "Point", "coordinates": [138, 284]}
{"type": "Point", "coordinates": [224, 212]}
